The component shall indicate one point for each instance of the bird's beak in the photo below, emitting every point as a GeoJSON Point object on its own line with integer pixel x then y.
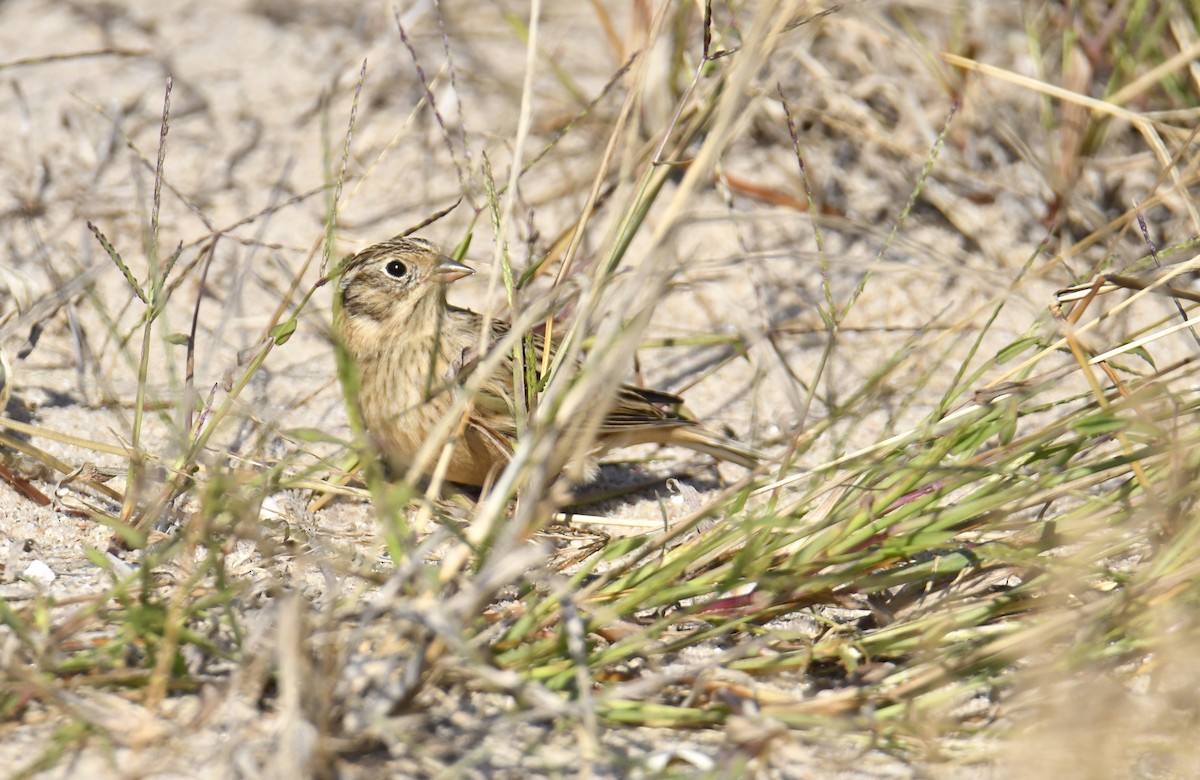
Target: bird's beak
{"type": "Point", "coordinates": [449, 270]}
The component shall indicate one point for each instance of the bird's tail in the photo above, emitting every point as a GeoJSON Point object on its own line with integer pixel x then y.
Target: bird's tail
{"type": "Point", "coordinates": [703, 440]}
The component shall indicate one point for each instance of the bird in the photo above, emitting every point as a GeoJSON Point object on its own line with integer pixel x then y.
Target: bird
{"type": "Point", "coordinates": [411, 349]}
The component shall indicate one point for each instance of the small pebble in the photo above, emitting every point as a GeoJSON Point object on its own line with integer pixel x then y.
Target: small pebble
{"type": "Point", "coordinates": [39, 573]}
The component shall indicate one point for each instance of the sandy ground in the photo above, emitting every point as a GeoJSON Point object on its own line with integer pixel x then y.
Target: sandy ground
{"type": "Point", "coordinates": [253, 83]}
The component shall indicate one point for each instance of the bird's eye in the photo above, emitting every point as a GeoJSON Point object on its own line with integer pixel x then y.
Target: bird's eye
{"type": "Point", "coordinates": [396, 269]}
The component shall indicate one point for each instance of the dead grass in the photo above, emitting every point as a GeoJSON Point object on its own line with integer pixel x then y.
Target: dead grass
{"type": "Point", "coordinates": [839, 230]}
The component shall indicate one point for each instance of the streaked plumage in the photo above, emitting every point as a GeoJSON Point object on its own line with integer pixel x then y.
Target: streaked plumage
{"type": "Point", "coordinates": [411, 349]}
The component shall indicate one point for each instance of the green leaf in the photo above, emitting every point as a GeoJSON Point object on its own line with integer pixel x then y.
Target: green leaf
{"type": "Point", "coordinates": [314, 435]}
{"type": "Point", "coordinates": [619, 547]}
{"type": "Point", "coordinates": [179, 339]}
{"type": "Point", "coordinates": [969, 439]}
{"type": "Point", "coordinates": [1145, 355]}
{"type": "Point", "coordinates": [1008, 423]}
{"type": "Point", "coordinates": [283, 331]}
{"type": "Point", "coordinates": [826, 319]}
{"type": "Point", "coordinates": [1100, 423]}
{"type": "Point", "coordinates": [1015, 348]}
{"type": "Point", "coordinates": [97, 557]}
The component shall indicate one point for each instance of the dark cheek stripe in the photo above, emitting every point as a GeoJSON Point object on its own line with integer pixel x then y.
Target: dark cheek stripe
{"type": "Point", "coordinates": [356, 307]}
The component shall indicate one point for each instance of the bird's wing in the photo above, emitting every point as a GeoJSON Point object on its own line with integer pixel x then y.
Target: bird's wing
{"type": "Point", "coordinates": [637, 407]}
{"type": "Point", "coordinates": [634, 407]}
{"type": "Point", "coordinates": [465, 364]}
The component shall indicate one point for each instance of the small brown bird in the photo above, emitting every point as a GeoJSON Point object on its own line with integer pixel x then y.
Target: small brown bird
{"type": "Point", "coordinates": [412, 349]}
